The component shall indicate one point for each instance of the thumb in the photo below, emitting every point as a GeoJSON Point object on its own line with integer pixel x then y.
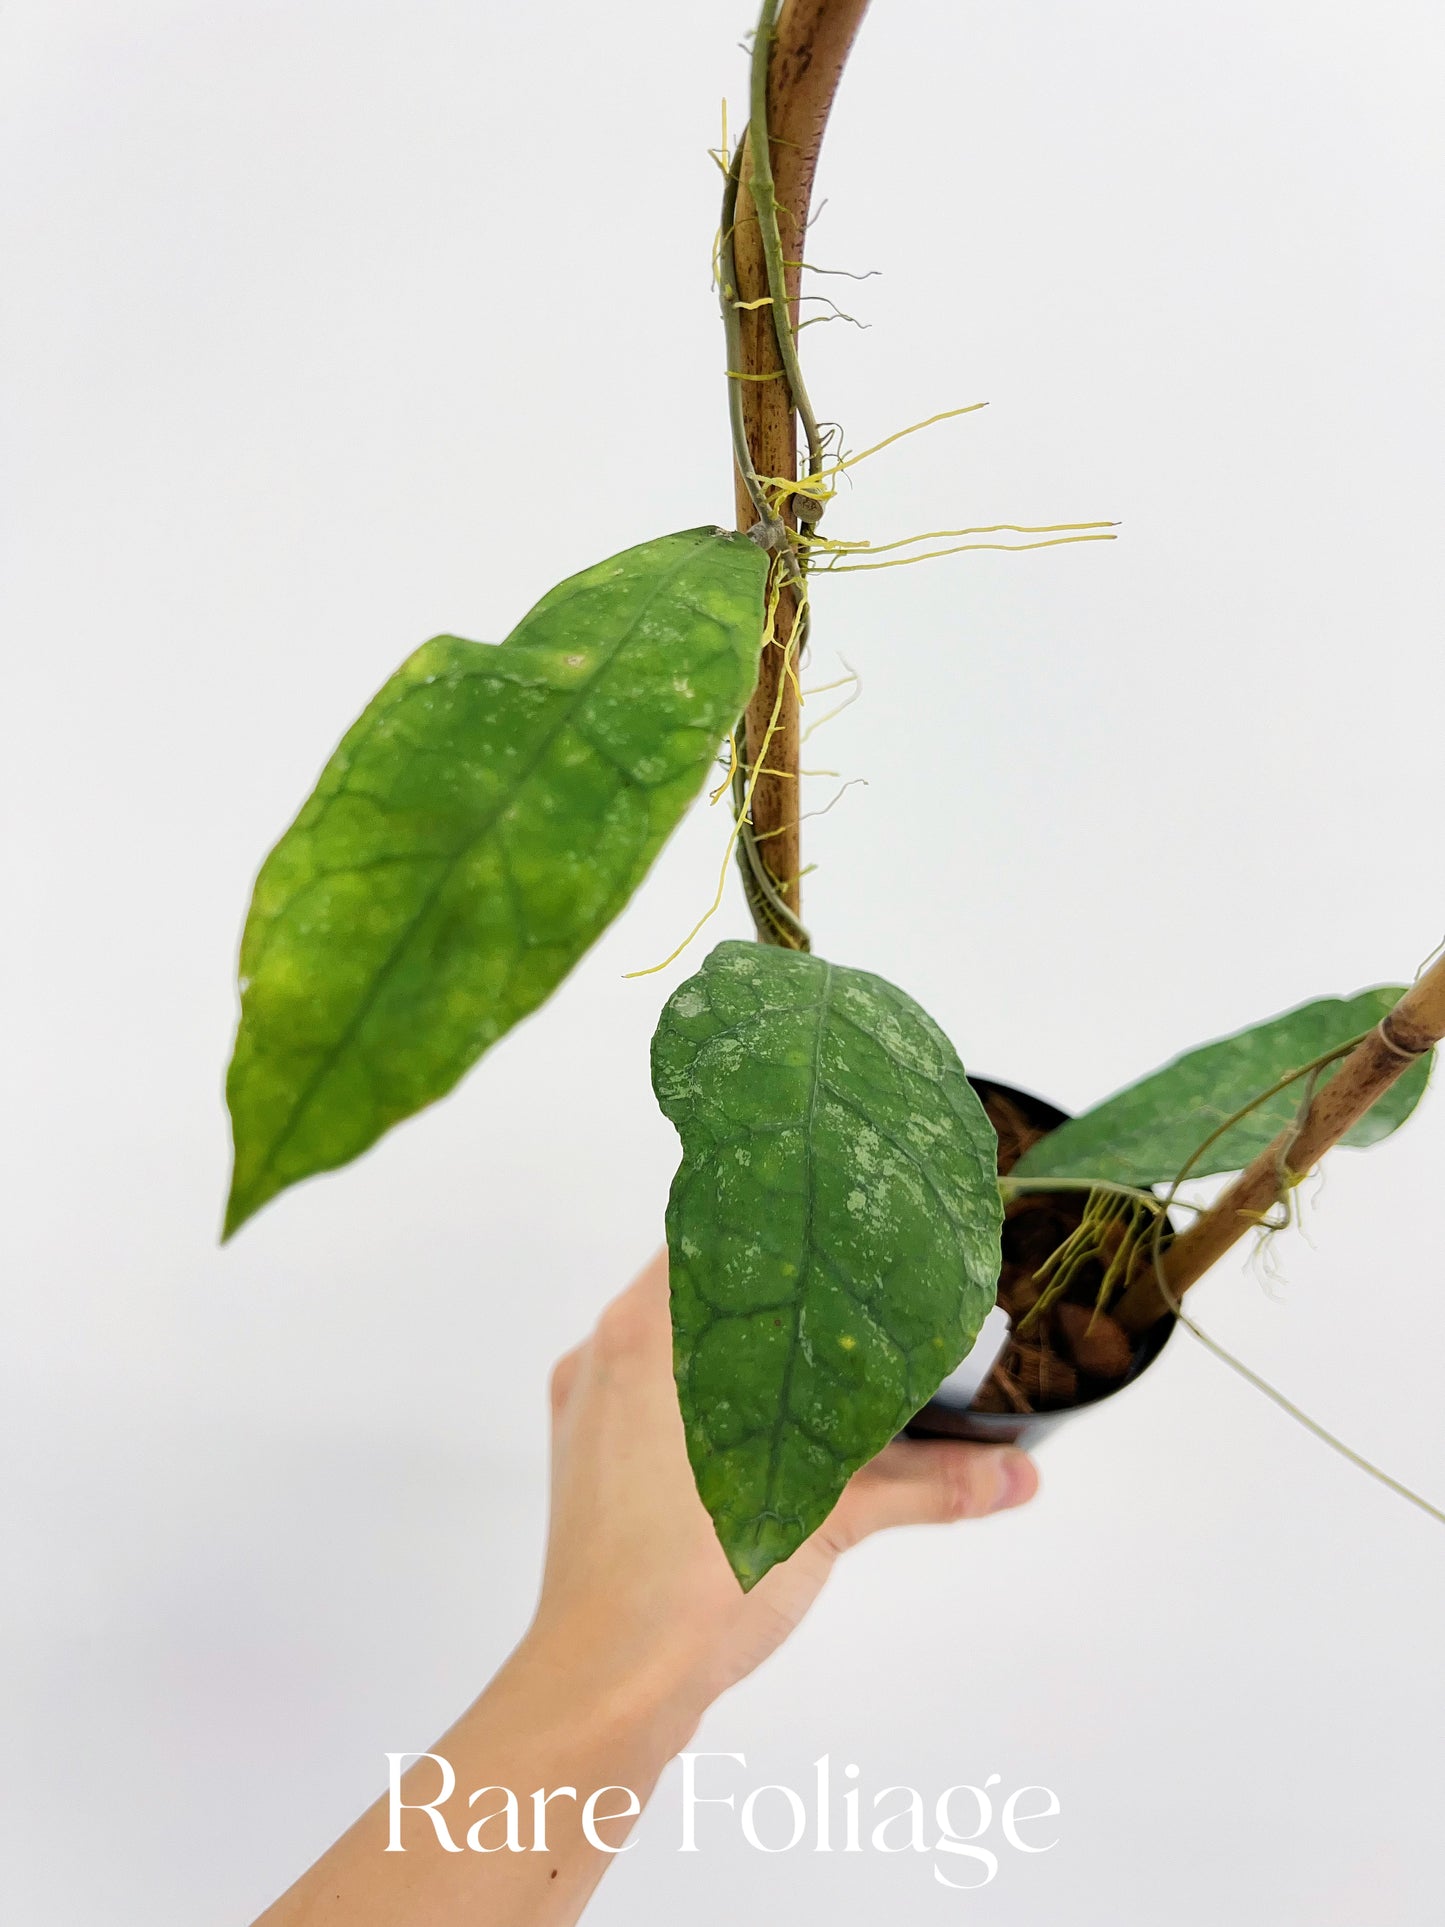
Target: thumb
{"type": "Point", "coordinates": [916, 1482]}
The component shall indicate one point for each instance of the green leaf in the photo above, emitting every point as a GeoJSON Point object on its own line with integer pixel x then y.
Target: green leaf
{"type": "Point", "coordinates": [1147, 1133]}
{"type": "Point", "coordinates": [833, 1230]}
{"type": "Point", "coordinates": [477, 829]}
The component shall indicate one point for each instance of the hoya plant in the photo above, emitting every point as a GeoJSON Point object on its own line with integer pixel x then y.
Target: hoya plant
{"type": "Point", "coordinates": [849, 1207]}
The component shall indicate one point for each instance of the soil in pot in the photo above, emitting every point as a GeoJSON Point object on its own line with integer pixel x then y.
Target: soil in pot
{"type": "Point", "coordinates": [1064, 1353]}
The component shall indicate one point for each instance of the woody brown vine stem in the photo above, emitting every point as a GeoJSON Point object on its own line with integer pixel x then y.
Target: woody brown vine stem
{"type": "Point", "coordinates": [798, 61]}
{"type": "Point", "coordinates": [1414, 1026]}
{"type": "Point", "coordinates": [805, 44]}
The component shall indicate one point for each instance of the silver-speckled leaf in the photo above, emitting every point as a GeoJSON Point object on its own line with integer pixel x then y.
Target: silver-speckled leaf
{"type": "Point", "coordinates": [1147, 1133]}
{"type": "Point", "coordinates": [833, 1230]}
{"type": "Point", "coordinates": [478, 828]}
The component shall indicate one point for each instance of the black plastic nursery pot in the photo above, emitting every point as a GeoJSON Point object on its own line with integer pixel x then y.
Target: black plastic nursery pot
{"type": "Point", "coordinates": [1031, 1227]}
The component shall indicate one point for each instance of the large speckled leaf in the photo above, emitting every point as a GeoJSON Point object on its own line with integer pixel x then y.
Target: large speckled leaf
{"type": "Point", "coordinates": [1147, 1133]}
{"type": "Point", "coordinates": [833, 1230]}
{"type": "Point", "coordinates": [478, 827]}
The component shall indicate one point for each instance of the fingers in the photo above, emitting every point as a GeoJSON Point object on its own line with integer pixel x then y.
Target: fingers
{"type": "Point", "coordinates": [638, 1320]}
{"type": "Point", "coordinates": [635, 1325]}
{"type": "Point", "coordinates": [564, 1377]}
{"type": "Point", "coordinates": [916, 1482]}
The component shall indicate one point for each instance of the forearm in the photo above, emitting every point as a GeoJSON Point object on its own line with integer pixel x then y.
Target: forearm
{"type": "Point", "coordinates": [641, 1625]}
{"type": "Point", "coordinates": [549, 1721]}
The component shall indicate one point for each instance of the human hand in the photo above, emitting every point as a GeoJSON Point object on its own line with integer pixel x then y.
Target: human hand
{"type": "Point", "coordinates": [640, 1626]}
{"type": "Point", "coordinates": [635, 1575]}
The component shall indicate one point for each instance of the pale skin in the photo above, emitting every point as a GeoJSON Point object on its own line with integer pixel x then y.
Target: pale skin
{"type": "Point", "coordinates": [640, 1626]}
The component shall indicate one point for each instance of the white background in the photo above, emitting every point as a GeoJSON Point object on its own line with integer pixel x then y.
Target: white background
{"type": "Point", "coordinates": [330, 325]}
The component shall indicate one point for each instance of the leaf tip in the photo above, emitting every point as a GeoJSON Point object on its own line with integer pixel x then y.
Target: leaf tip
{"type": "Point", "coordinates": [754, 1546]}
{"type": "Point", "coordinates": [240, 1206]}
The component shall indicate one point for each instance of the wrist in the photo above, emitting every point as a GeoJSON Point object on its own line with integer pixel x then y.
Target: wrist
{"type": "Point", "coordinates": [646, 1695]}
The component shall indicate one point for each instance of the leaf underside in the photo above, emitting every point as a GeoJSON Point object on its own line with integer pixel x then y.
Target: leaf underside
{"type": "Point", "coordinates": [1147, 1133]}
{"type": "Point", "coordinates": [833, 1230]}
{"type": "Point", "coordinates": [479, 826]}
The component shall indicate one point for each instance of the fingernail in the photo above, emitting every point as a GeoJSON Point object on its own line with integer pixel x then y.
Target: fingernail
{"type": "Point", "coordinates": [1017, 1480]}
